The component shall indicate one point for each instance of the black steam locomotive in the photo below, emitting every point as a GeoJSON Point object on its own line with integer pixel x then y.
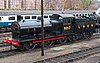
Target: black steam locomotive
{"type": "Point", "coordinates": [61, 28]}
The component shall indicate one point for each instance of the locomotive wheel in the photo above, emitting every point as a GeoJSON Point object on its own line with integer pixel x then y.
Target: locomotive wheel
{"type": "Point", "coordinates": [70, 39]}
{"type": "Point", "coordinates": [32, 46]}
{"type": "Point", "coordinates": [80, 37]}
{"type": "Point", "coordinates": [48, 44]}
{"type": "Point", "coordinates": [89, 36]}
{"type": "Point", "coordinates": [28, 46]}
{"type": "Point", "coordinates": [73, 37]}
{"type": "Point", "coordinates": [84, 36]}
{"type": "Point", "coordinates": [63, 41]}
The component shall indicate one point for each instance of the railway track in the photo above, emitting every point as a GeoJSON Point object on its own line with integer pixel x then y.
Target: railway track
{"type": "Point", "coordinates": [8, 53]}
{"type": "Point", "coordinates": [3, 45]}
{"type": "Point", "coordinates": [6, 35]}
{"type": "Point", "coordinates": [3, 36]}
{"type": "Point", "coordinates": [72, 56]}
{"type": "Point", "coordinates": [5, 30]}
{"type": "Point", "coordinates": [14, 51]}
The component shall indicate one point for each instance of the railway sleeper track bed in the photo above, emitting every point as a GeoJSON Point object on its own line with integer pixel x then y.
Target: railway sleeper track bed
{"type": "Point", "coordinates": [4, 45]}
{"type": "Point", "coordinates": [11, 52]}
{"type": "Point", "coordinates": [4, 35]}
{"type": "Point", "coordinates": [72, 56]}
{"type": "Point", "coordinates": [8, 53]}
{"type": "Point", "coordinates": [7, 34]}
{"type": "Point", "coordinates": [69, 57]}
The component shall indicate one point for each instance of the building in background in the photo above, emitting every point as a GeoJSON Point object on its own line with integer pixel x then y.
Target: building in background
{"type": "Point", "coordinates": [2, 4]}
{"type": "Point", "coordinates": [15, 4]}
{"type": "Point", "coordinates": [31, 4]}
{"type": "Point", "coordinates": [95, 4]}
{"type": "Point", "coordinates": [48, 4]}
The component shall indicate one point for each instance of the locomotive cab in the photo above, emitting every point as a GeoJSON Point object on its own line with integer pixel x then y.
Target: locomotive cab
{"type": "Point", "coordinates": [67, 25]}
{"type": "Point", "coordinates": [62, 23]}
{"type": "Point", "coordinates": [67, 20]}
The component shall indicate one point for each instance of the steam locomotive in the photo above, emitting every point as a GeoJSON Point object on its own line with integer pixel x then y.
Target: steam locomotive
{"type": "Point", "coordinates": [60, 28]}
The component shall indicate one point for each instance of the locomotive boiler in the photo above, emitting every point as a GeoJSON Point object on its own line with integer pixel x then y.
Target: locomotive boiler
{"type": "Point", "coordinates": [60, 28]}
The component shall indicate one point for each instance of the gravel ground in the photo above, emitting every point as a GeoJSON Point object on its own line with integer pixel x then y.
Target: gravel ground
{"type": "Point", "coordinates": [33, 56]}
{"type": "Point", "coordinates": [91, 59]}
{"type": "Point", "coordinates": [5, 48]}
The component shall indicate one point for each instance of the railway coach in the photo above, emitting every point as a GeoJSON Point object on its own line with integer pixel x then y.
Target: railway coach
{"type": "Point", "coordinates": [6, 20]}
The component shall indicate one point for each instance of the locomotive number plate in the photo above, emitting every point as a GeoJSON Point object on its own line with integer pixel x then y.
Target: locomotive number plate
{"type": "Point", "coordinates": [67, 28]}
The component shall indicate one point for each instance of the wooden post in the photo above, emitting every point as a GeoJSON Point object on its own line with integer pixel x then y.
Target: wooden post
{"type": "Point", "coordinates": [42, 29]}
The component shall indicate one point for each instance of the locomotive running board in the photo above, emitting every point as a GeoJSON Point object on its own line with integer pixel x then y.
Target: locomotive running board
{"type": "Point", "coordinates": [17, 43]}
{"type": "Point", "coordinates": [48, 39]}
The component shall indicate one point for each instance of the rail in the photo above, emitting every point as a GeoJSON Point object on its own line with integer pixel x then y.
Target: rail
{"type": "Point", "coordinates": [72, 56]}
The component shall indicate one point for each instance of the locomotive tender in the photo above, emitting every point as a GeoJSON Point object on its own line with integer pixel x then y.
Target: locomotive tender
{"type": "Point", "coordinates": [60, 28]}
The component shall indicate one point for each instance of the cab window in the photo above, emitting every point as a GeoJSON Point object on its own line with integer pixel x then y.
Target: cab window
{"type": "Point", "coordinates": [80, 14]}
{"type": "Point", "coordinates": [65, 20]}
{"type": "Point", "coordinates": [69, 20]}
{"type": "Point", "coordinates": [76, 14]}
{"type": "Point", "coordinates": [85, 14]}
{"type": "Point", "coordinates": [27, 17]}
{"type": "Point", "coordinates": [50, 16]}
{"type": "Point", "coordinates": [33, 17]}
{"type": "Point", "coordinates": [45, 16]}
{"type": "Point", "coordinates": [11, 18]}
{"type": "Point", "coordinates": [0, 18]}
